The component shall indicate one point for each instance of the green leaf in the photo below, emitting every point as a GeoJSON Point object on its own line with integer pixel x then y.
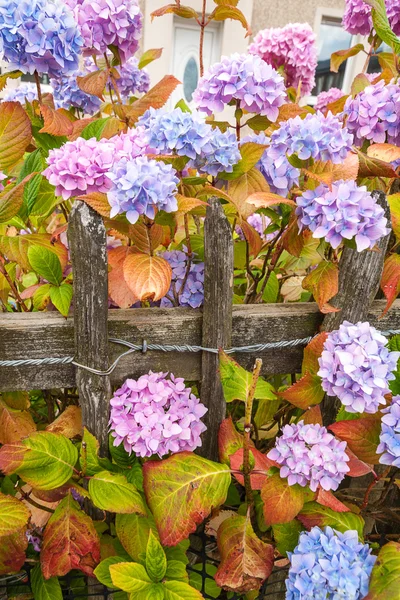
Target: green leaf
{"type": "Point", "coordinates": [381, 24]}
{"type": "Point", "coordinates": [31, 191]}
{"type": "Point", "coordinates": [102, 571]}
{"type": "Point", "coordinates": [133, 532]}
{"type": "Point", "coordinates": [385, 577]}
{"type": "Point", "coordinates": [258, 123]}
{"type": "Point", "coordinates": [178, 590]}
{"type": "Point", "coordinates": [184, 108]}
{"type": "Point", "coordinates": [45, 200]}
{"type": "Point", "coordinates": [223, 12]}
{"type": "Point", "coordinates": [236, 381]}
{"type": "Point", "coordinates": [196, 580]}
{"type": "Point", "coordinates": [271, 291]}
{"type": "Point", "coordinates": [95, 129]}
{"type": "Point", "coordinates": [14, 515]}
{"type": "Point", "coordinates": [286, 536]}
{"type": "Point", "coordinates": [315, 514]}
{"type": "Point", "coordinates": [46, 264]}
{"type": "Point", "coordinates": [41, 297]}
{"type": "Point", "coordinates": [61, 297]}
{"type": "Point", "coordinates": [148, 56]}
{"type": "Point", "coordinates": [251, 154]}
{"type": "Point", "coordinates": [130, 577]}
{"type": "Point", "coordinates": [34, 163]}
{"type": "Point", "coordinates": [89, 459]}
{"type": "Point", "coordinates": [112, 492]}
{"type": "Point", "coordinates": [178, 552]}
{"type": "Point", "coordinates": [156, 561]}
{"type": "Point", "coordinates": [337, 58]}
{"type": "Point", "coordinates": [176, 570]}
{"type": "Point", "coordinates": [45, 589]}
{"type": "Point", "coordinates": [120, 456]}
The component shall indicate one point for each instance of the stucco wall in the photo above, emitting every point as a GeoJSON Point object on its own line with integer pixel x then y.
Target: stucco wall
{"type": "Point", "coordinates": [276, 13]}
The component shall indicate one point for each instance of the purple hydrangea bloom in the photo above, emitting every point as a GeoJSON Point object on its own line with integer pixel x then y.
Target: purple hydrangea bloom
{"type": "Point", "coordinates": [156, 414]}
{"type": "Point", "coordinates": [357, 17]}
{"type": "Point", "coordinates": [193, 292]}
{"type": "Point", "coordinates": [140, 185]}
{"type": "Point", "coordinates": [130, 144]}
{"type": "Point", "coordinates": [39, 35]}
{"type": "Point", "coordinates": [80, 167]}
{"type": "Point", "coordinates": [260, 223]}
{"type": "Point", "coordinates": [390, 434]}
{"type": "Point", "coordinates": [374, 114]}
{"type": "Point", "coordinates": [318, 136]}
{"type": "Point", "coordinates": [67, 94]}
{"type": "Point", "coordinates": [34, 537]}
{"type": "Point", "coordinates": [292, 47]}
{"type": "Point", "coordinates": [393, 13]}
{"type": "Point", "coordinates": [329, 565]}
{"type": "Point", "coordinates": [3, 176]}
{"type": "Point", "coordinates": [325, 98]}
{"type": "Point", "coordinates": [222, 153]}
{"type": "Point", "coordinates": [132, 80]}
{"type": "Point", "coordinates": [344, 212]}
{"type": "Point", "coordinates": [108, 22]}
{"type": "Point", "coordinates": [244, 78]}
{"type": "Point", "coordinates": [24, 92]}
{"type": "Point", "coordinates": [309, 455]}
{"type": "Point", "coordinates": [356, 366]}
{"type": "Point", "coordinates": [281, 176]}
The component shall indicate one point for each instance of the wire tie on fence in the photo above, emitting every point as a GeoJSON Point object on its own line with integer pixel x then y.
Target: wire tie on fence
{"type": "Point", "coordinates": [144, 348]}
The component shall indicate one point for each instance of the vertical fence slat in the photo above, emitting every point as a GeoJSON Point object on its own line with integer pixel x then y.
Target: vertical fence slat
{"type": "Point", "coordinates": [217, 318]}
{"type": "Point", "coordinates": [88, 246]}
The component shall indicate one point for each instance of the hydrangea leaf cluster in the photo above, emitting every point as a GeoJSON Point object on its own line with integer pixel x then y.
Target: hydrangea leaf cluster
{"type": "Point", "coordinates": [345, 212]}
{"type": "Point", "coordinates": [39, 35]}
{"type": "Point", "coordinates": [140, 186]}
{"type": "Point", "coordinates": [260, 223]}
{"type": "Point", "coordinates": [24, 92]}
{"type": "Point", "coordinates": [374, 114]}
{"type": "Point", "coordinates": [192, 294]}
{"type": "Point", "coordinates": [389, 438]}
{"type": "Point", "coordinates": [67, 94]}
{"type": "Point", "coordinates": [329, 565]}
{"type": "Point", "coordinates": [281, 176]}
{"type": "Point", "coordinates": [325, 98]}
{"type": "Point", "coordinates": [309, 455]}
{"type": "Point", "coordinates": [243, 78]}
{"type": "Point", "coordinates": [132, 80]}
{"type": "Point", "coordinates": [357, 18]}
{"type": "Point", "coordinates": [292, 47]}
{"type": "Point", "coordinates": [318, 136]}
{"type": "Point", "coordinates": [108, 22]}
{"type": "Point", "coordinates": [156, 414]}
{"type": "Point", "coordinates": [356, 366]}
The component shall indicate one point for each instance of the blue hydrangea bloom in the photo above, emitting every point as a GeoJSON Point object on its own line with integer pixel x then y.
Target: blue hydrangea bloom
{"type": "Point", "coordinates": [24, 92]}
{"type": "Point", "coordinates": [390, 434]}
{"type": "Point", "coordinates": [222, 153]}
{"type": "Point", "coordinates": [277, 170]}
{"type": "Point", "coordinates": [329, 565]}
{"type": "Point", "coordinates": [193, 292]}
{"type": "Point", "coordinates": [132, 80]}
{"type": "Point", "coordinates": [318, 136]}
{"type": "Point", "coordinates": [67, 93]}
{"type": "Point", "coordinates": [140, 186]}
{"type": "Point", "coordinates": [39, 35]}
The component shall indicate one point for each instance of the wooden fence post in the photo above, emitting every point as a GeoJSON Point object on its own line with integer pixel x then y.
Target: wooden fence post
{"type": "Point", "coordinates": [359, 277]}
{"type": "Point", "coordinates": [217, 319]}
{"type": "Point", "coordinates": [88, 246]}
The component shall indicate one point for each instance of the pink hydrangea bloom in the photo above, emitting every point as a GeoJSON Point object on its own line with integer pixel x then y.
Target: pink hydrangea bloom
{"type": "Point", "coordinates": [156, 414]}
{"type": "Point", "coordinates": [357, 17]}
{"type": "Point", "coordinates": [325, 98]}
{"type": "Point", "coordinates": [130, 144]}
{"type": "Point", "coordinates": [292, 47]}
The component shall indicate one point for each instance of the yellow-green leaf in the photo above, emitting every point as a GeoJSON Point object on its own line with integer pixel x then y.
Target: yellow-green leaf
{"type": "Point", "coordinates": [113, 492]}
{"type": "Point", "coordinates": [14, 515]}
{"type": "Point", "coordinates": [236, 381]}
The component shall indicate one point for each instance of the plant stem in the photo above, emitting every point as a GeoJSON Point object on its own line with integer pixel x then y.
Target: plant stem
{"type": "Point", "coordinates": [247, 433]}
{"type": "Point", "coordinates": [202, 28]}
{"type": "Point", "coordinates": [39, 89]}
{"type": "Point", "coordinates": [371, 487]}
{"type": "Point", "coordinates": [237, 117]}
{"type": "Point", "coordinates": [189, 255]}
{"type": "Point", "coordinates": [13, 287]}
{"type": "Point", "coordinates": [26, 497]}
{"type": "Point", "coordinates": [114, 81]}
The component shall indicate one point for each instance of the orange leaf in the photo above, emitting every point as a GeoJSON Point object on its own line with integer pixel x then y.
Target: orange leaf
{"type": "Point", "coordinates": [261, 463]}
{"type": "Point", "coordinates": [118, 289]}
{"type": "Point", "coordinates": [55, 122]}
{"type": "Point", "coordinates": [312, 352]}
{"type": "Point", "coordinates": [146, 239]}
{"type": "Point", "coordinates": [328, 499]}
{"type": "Point", "coordinates": [98, 201]}
{"type": "Point", "coordinates": [357, 467]}
{"type": "Point", "coordinates": [148, 277]}
{"type": "Point", "coordinates": [78, 126]}
{"type": "Point", "coordinates": [267, 199]}
{"type": "Point", "coordinates": [185, 12]}
{"type": "Point", "coordinates": [252, 237]}
{"type": "Point", "coordinates": [241, 188]}
{"type": "Point", "coordinates": [306, 392]}
{"type": "Point", "coordinates": [69, 423]}
{"type": "Point", "coordinates": [373, 167]}
{"type": "Point", "coordinates": [362, 437]}
{"type": "Point", "coordinates": [292, 239]}
{"type": "Point", "coordinates": [14, 424]}
{"type": "Point", "coordinates": [12, 552]}
{"type": "Point", "coordinates": [93, 83]}
{"type": "Point", "coordinates": [312, 416]}
{"type": "Point", "coordinates": [348, 169]}
{"type": "Point", "coordinates": [156, 97]}
{"type": "Point", "coordinates": [229, 440]}
{"type": "Point", "coordinates": [15, 133]}
{"type": "Point", "coordinates": [186, 204]}
{"type": "Point", "coordinates": [390, 282]}
{"type": "Point", "coordinates": [282, 502]}
{"type": "Point", "coordinates": [337, 106]}
{"type": "Point", "coordinates": [385, 152]}
{"type": "Point", "coordinates": [323, 283]}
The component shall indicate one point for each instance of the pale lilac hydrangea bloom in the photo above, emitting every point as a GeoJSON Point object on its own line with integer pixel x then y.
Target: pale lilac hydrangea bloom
{"type": "Point", "coordinates": [244, 78]}
{"type": "Point", "coordinates": [222, 153]}
{"type": "Point", "coordinates": [108, 22]}
{"type": "Point", "coordinates": [130, 144]}
{"type": "Point", "coordinates": [34, 537]}
{"type": "Point", "coordinates": [3, 176]}
{"type": "Point", "coordinates": [24, 92]}
{"type": "Point", "coordinates": [292, 47]}
{"type": "Point", "coordinates": [344, 212]}
{"type": "Point", "coordinates": [325, 98]}
{"type": "Point", "coordinates": [309, 455]}
{"type": "Point", "coordinates": [140, 186]}
{"type": "Point", "coordinates": [329, 565]}
{"type": "Point", "coordinates": [67, 93]}
{"type": "Point", "coordinates": [80, 167]}
{"type": "Point", "coordinates": [260, 223]}
{"type": "Point", "coordinates": [357, 17]}
{"type": "Point", "coordinates": [132, 80]}
{"type": "Point", "coordinates": [39, 35]}
{"type": "Point", "coordinates": [192, 294]}
{"type": "Point", "coordinates": [389, 438]}
{"type": "Point", "coordinates": [156, 414]}
{"type": "Point", "coordinates": [318, 136]}
{"type": "Point", "coordinates": [374, 114]}
{"type": "Point", "coordinates": [356, 366]}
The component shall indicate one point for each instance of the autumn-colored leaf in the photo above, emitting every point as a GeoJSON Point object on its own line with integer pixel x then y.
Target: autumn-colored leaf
{"type": "Point", "coordinates": [337, 106]}
{"type": "Point", "coordinates": [14, 515]}
{"type": "Point", "coordinates": [16, 248]}
{"type": "Point", "coordinates": [384, 583]}
{"type": "Point", "coordinates": [186, 204]}
{"type": "Point", "coordinates": [373, 167]}
{"type": "Point", "coordinates": [14, 424]}
{"type": "Point", "coordinates": [394, 204]}
{"type": "Point", "coordinates": [292, 240]}
{"type": "Point", "coordinates": [328, 499]}
{"type": "Point", "coordinates": [267, 199]}
{"type": "Point", "coordinates": [251, 153]}
{"type": "Point", "coordinates": [246, 561]}
{"type": "Point", "coordinates": [156, 97]}
{"type": "Point", "coordinates": [12, 552]}
{"type": "Point", "coordinates": [118, 289]}
{"type": "Point", "coordinates": [70, 541]}
{"type": "Point", "coordinates": [261, 465]}
{"type": "Point", "coordinates": [390, 282]}
{"type": "Point", "coordinates": [291, 110]}
{"type": "Point", "coordinates": [240, 189]}
{"type": "Point", "coordinates": [306, 392]}
{"type": "Point", "coordinates": [181, 491]}
{"type": "Point", "coordinates": [323, 283]}
{"type": "Point", "coordinates": [148, 57]}
{"type": "Point", "coordinates": [69, 423]}
{"type": "Point", "coordinates": [337, 58]}
{"type": "Point", "coordinates": [386, 152]}
{"type": "Point", "coordinates": [55, 122]}
{"type": "Point", "coordinates": [362, 437]}
{"type": "Point", "coordinates": [313, 514]}
{"type": "Point", "coordinates": [221, 13]}
{"type": "Point", "coordinates": [93, 83]}
{"type": "Point", "coordinates": [18, 400]}
{"type": "Point", "coordinates": [78, 126]}
{"type": "Point", "coordinates": [15, 134]}
{"type": "Point", "coordinates": [252, 237]}
{"type": "Point", "coordinates": [185, 12]}
{"type": "Point", "coordinates": [4, 77]}
{"type": "Point", "coordinates": [312, 352]}
{"type": "Point", "coordinates": [148, 277]}
{"type": "Point", "coordinates": [357, 468]}
{"type": "Point", "coordinates": [229, 440]}
{"type": "Point", "coordinates": [360, 82]}
{"type": "Point", "coordinates": [282, 502]}
{"type": "Point", "coordinates": [312, 416]}
{"type": "Point", "coordinates": [98, 201]}
{"type": "Point", "coordinates": [146, 239]}
{"type": "Point", "coordinates": [11, 200]}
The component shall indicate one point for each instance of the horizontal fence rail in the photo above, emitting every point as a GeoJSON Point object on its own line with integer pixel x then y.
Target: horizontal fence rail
{"type": "Point", "coordinates": [42, 335]}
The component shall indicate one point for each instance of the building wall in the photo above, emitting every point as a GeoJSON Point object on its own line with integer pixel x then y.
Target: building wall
{"type": "Point", "coordinates": [268, 13]}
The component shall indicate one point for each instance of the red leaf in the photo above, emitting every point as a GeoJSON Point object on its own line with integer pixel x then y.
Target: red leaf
{"type": "Point", "coordinates": [229, 440]}
{"type": "Point", "coordinates": [306, 392]}
{"type": "Point", "coordinates": [323, 283]}
{"type": "Point", "coordinates": [252, 236]}
{"type": "Point", "coordinates": [282, 502]}
{"type": "Point", "coordinates": [357, 467]}
{"type": "Point", "coordinates": [261, 463]}
{"type": "Point", "coordinates": [312, 352]}
{"type": "Point", "coordinates": [390, 283]}
{"type": "Point", "coordinates": [328, 499]}
{"type": "Point", "coordinates": [118, 289]}
{"type": "Point", "coordinates": [362, 437]}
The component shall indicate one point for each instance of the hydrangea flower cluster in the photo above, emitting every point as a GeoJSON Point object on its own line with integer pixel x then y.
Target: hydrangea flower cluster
{"type": "Point", "coordinates": [393, 13]}
{"type": "Point", "coordinates": [67, 93]}
{"type": "Point", "coordinates": [318, 136]}
{"type": "Point", "coordinates": [243, 78]}
{"type": "Point", "coordinates": [260, 223]}
{"type": "Point", "coordinates": [156, 414]}
{"type": "Point", "coordinates": [281, 176]}
{"type": "Point", "coordinates": [80, 167]}
{"type": "Point", "coordinates": [374, 114]}
{"type": "Point", "coordinates": [222, 153]}
{"type": "Point", "coordinates": [357, 17]}
{"type": "Point", "coordinates": [309, 455]}
{"type": "Point", "coordinates": [325, 98]}
{"type": "Point", "coordinates": [24, 92]}
{"type": "Point", "coordinates": [130, 144]}
{"type": "Point", "coordinates": [292, 47]}
{"type": "Point", "coordinates": [108, 22]}
{"type": "Point", "coordinates": [356, 366]}
{"type": "Point", "coordinates": [140, 185]}
{"type": "Point", "coordinates": [3, 176]}
{"type": "Point", "coordinates": [329, 565]}
{"type": "Point", "coordinates": [389, 438]}
{"type": "Point", "coordinates": [132, 80]}
{"type": "Point", "coordinates": [39, 35]}
{"type": "Point", "coordinates": [193, 292]}
{"type": "Point", "coordinates": [344, 212]}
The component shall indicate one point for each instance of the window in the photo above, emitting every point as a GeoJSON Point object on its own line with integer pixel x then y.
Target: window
{"type": "Point", "coordinates": [331, 37]}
